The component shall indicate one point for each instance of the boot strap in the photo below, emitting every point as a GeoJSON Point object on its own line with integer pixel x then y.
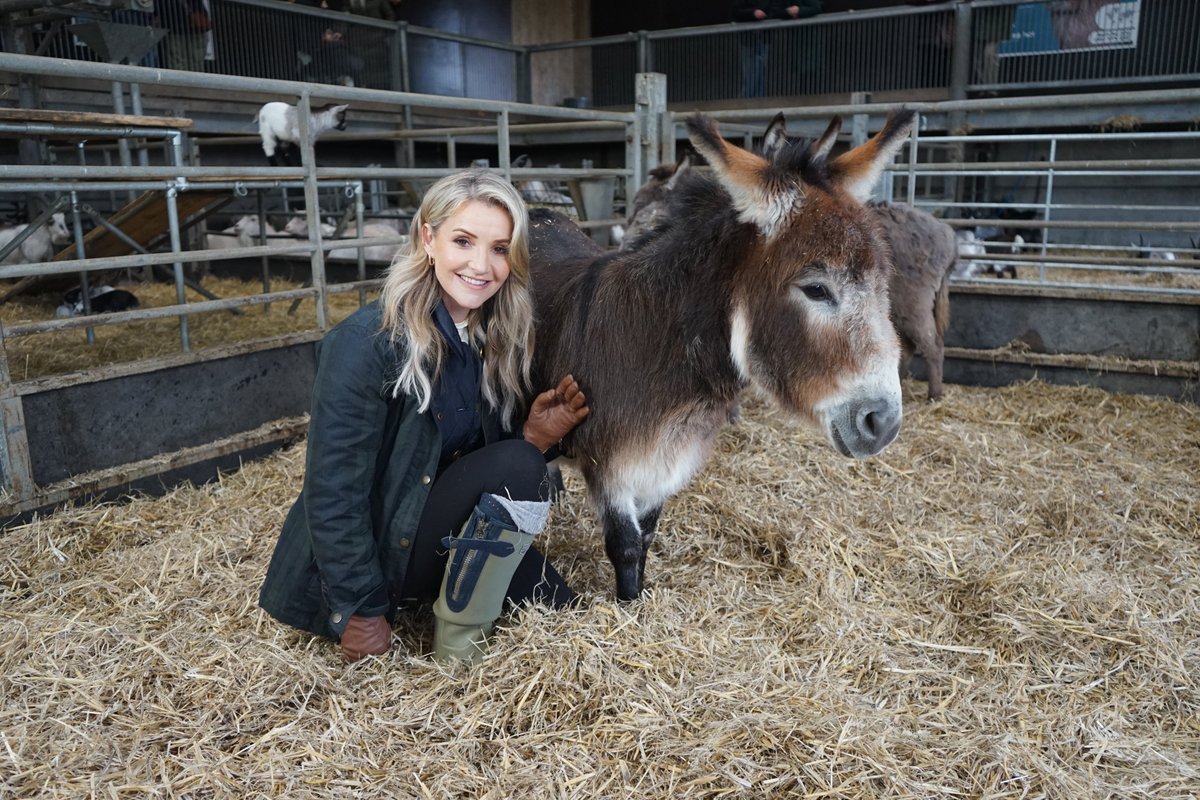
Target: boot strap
{"type": "Point", "coordinates": [495, 548]}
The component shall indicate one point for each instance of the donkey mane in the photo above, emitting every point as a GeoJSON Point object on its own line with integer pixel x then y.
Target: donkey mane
{"type": "Point", "coordinates": [795, 158]}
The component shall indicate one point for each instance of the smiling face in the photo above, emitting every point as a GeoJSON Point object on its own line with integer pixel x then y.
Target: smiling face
{"type": "Point", "coordinates": [469, 251]}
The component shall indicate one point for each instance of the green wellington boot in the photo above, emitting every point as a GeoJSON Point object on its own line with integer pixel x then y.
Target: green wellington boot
{"type": "Point", "coordinates": [482, 561]}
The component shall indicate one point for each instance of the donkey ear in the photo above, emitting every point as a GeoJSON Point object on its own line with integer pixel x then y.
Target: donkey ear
{"type": "Point", "coordinates": [858, 170]}
{"type": "Point", "coordinates": [682, 166]}
{"type": "Point", "coordinates": [819, 148]}
{"type": "Point", "coordinates": [775, 136]}
{"type": "Point", "coordinates": [766, 204]}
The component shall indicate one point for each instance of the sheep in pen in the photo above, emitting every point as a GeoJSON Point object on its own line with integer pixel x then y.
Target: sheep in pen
{"type": "Point", "coordinates": [1005, 603]}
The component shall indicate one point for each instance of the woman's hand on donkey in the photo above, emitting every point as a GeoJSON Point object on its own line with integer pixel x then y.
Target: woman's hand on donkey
{"type": "Point", "coordinates": [554, 413]}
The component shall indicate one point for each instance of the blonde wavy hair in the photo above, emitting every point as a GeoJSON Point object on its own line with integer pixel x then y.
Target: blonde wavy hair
{"type": "Point", "coordinates": [502, 327]}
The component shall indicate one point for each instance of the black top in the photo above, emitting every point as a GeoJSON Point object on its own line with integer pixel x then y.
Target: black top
{"type": "Point", "coordinates": [457, 392]}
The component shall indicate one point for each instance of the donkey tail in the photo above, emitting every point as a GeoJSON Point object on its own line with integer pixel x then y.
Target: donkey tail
{"type": "Point", "coordinates": [941, 306]}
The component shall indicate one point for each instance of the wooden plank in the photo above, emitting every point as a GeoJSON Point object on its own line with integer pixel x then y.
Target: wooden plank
{"type": "Point", "coordinates": [91, 118]}
{"type": "Point", "coordinates": [145, 221]}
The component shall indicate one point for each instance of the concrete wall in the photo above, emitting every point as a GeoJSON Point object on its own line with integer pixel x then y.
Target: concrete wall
{"type": "Point", "coordinates": [558, 74]}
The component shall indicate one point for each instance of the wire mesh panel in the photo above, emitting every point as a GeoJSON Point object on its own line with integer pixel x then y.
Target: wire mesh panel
{"type": "Point", "coordinates": [837, 53]}
{"type": "Point", "coordinates": [613, 69]}
{"type": "Point", "coordinates": [264, 41]}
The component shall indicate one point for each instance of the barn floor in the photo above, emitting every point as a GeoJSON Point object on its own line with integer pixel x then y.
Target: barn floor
{"type": "Point", "coordinates": [1006, 603]}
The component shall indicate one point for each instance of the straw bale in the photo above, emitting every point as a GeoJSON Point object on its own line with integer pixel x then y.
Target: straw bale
{"type": "Point", "coordinates": [1005, 603]}
{"type": "Point", "coordinates": [67, 351]}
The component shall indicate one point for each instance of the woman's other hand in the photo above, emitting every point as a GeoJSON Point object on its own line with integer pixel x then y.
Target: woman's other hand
{"type": "Point", "coordinates": [554, 413]}
{"type": "Point", "coordinates": [365, 636]}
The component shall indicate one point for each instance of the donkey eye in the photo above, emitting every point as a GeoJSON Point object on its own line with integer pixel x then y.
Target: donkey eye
{"type": "Point", "coordinates": [817, 293]}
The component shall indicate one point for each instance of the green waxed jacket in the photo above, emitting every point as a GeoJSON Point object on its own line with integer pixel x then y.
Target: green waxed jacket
{"type": "Point", "coordinates": [346, 542]}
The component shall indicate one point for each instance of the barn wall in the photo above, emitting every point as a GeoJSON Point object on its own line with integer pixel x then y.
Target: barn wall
{"type": "Point", "coordinates": [555, 75]}
{"type": "Point", "coordinates": [1115, 329]}
{"type": "Point", "coordinates": [1135, 347]}
{"type": "Point", "coordinates": [94, 426]}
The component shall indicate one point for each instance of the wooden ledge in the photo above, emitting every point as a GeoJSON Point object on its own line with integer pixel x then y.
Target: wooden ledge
{"type": "Point", "coordinates": [91, 118]}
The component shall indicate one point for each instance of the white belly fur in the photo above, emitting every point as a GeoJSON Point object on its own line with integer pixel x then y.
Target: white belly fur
{"type": "Point", "coordinates": [644, 474]}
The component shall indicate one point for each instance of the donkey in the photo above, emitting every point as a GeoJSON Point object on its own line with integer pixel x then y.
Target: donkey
{"type": "Point", "coordinates": [769, 273]}
{"type": "Point", "coordinates": [650, 202]}
{"type": "Point", "coordinates": [924, 254]}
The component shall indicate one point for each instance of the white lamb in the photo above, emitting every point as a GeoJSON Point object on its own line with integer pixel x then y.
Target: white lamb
{"type": "Point", "coordinates": [41, 245]}
{"type": "Point", "coordinates": [298, 227]}
{"type": "Point", "coordinates": [279, 127]}
{"type": "Point", "coordinates": [371, 230]}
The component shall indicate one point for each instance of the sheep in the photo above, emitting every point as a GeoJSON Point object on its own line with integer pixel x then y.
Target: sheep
{"type": "Point", "coordinates": [279, 127]}
{"type": "Point", "coordinates": [40, 245]}
{"type": "Point", "coordinates": [536, 191]}
{"type": "Point", "coordinates": [247, 229]}
{"type": "Point", "coordinates": [298, 227]}
{"type": "Point", "coordinates": [968, 245]}
{"type": "Point", "coordinates": [102, 299]}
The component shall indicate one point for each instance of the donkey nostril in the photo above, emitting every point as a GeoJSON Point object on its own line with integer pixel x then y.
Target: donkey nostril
{"type": "Point", "coordinates": [876, 421]}
{"type": "Point", "coordinates": [869, 421]}
{"type": "Point", "coordinates": [870, 424]}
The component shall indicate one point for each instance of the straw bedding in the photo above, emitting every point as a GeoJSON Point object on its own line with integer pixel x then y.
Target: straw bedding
{"type": "Point", "coordinates": [66, 351]}
{"type": "Point", "coordinates": [1006, 603]}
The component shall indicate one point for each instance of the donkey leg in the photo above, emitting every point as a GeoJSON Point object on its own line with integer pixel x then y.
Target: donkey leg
{"type": "Point", "coordinates": [648, 522]}
{"type": "Point", "coordinates": [623, 544]}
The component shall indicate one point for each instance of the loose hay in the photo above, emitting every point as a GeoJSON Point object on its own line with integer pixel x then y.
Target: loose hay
{"type": "Point", "coordinates": [1004, 604]}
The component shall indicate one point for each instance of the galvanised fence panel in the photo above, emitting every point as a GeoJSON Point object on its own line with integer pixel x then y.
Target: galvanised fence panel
{"type": "Point", "coordinates": [1025, 45]}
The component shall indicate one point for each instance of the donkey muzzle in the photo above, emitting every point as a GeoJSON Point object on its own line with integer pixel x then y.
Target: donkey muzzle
{"type": "Point", "coordinates": [862, 428]}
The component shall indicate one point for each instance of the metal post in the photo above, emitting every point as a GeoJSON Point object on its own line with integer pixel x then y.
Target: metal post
{"type": "Point", "coordinates": [395, 71]}
{"type": "Point", "coordinates": [1047, 203]}
{"type": "Point", "coordinates": [29, 151]}
{"type": "Point", "coordinates": [667, 148]}
{"type": "Point", "coordinates": [177, 248]}
{"type": "Point", "coordinates": [960, 78]}
{"type": "Point", "coordinates": [650, 106]}
{"type": "Point", "coordinates": [406, 151]}
{"type": "Point", "coordinates": [645, 60]}
{"type": "Point", "coordinates": [262, 239]}
{"type": "Point", "coordinates": [312, 209]}
{"type": "Point", "coordinates": [912, 162]}
{"type": "Point", "coordinates": [135, 105]}
{"type": "Point", "coordinates": [362, 258]}
{"type": "Point", "coordinates": [633, 153]}
{"type": "Point", "coordinates": [858, 123]}
{"type": "Point", "coordinates": [118, 96]}
{"type": "Point", "coordinates": [77, 229]}
{"type": "Point", "coordinates": [960, 57]}
{"type": "Point", "coordinates": [505, 151]}
{"type": "Point", "coordinates": [524, 76]}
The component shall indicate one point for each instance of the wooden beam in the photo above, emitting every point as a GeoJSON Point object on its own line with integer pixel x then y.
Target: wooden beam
{"type": "Point", "coordinates": [90, 118]}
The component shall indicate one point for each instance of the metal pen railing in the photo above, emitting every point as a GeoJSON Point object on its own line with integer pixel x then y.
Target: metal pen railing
{"type": "Point", "coordinates": [175, 178]}
{"type": "Point", "coordinates": [1095, 211]}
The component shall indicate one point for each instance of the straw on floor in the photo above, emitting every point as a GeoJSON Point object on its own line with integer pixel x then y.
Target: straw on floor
{"type": "Point", "coordinates": [1005, 604]}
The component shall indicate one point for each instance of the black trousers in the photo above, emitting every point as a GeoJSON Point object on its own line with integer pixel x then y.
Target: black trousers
{"type": "Point", "coordinates": [511, 468]}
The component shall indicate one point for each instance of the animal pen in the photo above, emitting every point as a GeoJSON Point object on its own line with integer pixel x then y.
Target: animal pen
{"type": "Point", "coordinates": [1004, 603]}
